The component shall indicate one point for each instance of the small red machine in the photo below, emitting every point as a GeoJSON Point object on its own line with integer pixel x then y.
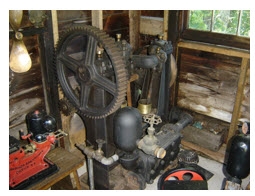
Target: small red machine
{"type": "Point", "coordinates": [27, 163]}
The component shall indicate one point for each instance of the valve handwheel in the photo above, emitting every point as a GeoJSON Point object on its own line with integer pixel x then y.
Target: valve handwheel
{"type": "Point", "coordinates": [82, 74]}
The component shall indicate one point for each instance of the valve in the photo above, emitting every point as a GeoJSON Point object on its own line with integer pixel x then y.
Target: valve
{"type": "Point", "coordinates": [149, 143]}
{"type": "Point", "coordinates": [99, 150]}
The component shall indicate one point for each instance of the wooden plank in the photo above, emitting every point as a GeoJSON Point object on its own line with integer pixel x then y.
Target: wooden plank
{"type": "Point", "coordinates": [208, 85]}
{"type": "Point", "coordinates": [239, 97]}
{"type": "Point", "coordinates": [165, 28]}
{"type": "Point", "coordinates": [226, 51]}
{"type": "Point", "coordinates": [55, 26]}
{"type": "Point", "coordinates": [134, 28]}
{"type": "Point", "coordinates": [245, 107]}
{"type": "Point", "coordinates": [215, 49]}
{"type": "Point", "coordinates": [151, 25]}
{"type": "Point", "coordinates": [67, 163]}
{"type": "Point", "coordinates": [210, 136]}
{"type": "Point", "coordinates": [201, 109]}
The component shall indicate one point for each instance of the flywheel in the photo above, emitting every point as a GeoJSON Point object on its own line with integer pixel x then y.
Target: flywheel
{"type": "Point", "coordinates": [91, 71]}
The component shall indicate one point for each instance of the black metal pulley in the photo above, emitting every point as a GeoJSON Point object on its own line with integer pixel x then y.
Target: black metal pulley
{"type": "Point", "coordinates": [182, 179]}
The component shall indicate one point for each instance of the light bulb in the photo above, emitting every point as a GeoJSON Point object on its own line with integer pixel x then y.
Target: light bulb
{"type": "Point", "coordinates": [20, 60]}
{"type": "Point", "coordinates": [15, 18]}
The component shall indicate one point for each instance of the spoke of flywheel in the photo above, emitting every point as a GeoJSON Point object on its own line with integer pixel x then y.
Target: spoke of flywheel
{"type": "Point", "coordinates": [90, 51]}
{"type": "Point", "coordinates": [69, 62]}
{"type": "Point", "coordinates": [105, 84]}
{"type": "Point", "coordinates": [84, 96]}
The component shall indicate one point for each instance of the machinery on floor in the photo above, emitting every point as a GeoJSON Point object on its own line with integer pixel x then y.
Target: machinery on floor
{"type": "Point", "coordinates": [238, 162]}
{"type": "Point", "coordinates": [93, 70]}
{"type": "Point", "coordinates": [27, 162]}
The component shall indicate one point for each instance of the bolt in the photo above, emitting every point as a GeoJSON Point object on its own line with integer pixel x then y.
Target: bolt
{"type": "Point", "coordinates": [18, 36]}
{"type": "Point", "coordinates": [80, 70]}
{"type": "Point", "coordinates": [152, 172]}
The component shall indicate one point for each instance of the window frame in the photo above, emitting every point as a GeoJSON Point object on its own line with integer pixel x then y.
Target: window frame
{"type": "Point", "coordinates": [211, 37]}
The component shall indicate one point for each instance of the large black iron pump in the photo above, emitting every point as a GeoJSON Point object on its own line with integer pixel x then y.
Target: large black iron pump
{"type": "Point", "coordinates": [93, 71]}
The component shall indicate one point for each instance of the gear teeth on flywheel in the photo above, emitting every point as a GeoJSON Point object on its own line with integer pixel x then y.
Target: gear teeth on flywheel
{"type": "Point", "coordinates": [118, 63]}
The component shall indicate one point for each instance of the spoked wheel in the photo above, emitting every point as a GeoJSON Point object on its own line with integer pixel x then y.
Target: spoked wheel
{"type": "Point", "coordinates": [91, 71]}
{"type": "Point", "coordinates": [182, 179]}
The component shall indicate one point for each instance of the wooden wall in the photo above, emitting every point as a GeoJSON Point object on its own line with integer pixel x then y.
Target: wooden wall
{"type": "Point", "coordinates": [26, 90]}
{"type": "Point", "coordinates": [214, 81]}
{"type": "Point", "coordinates": [115, 22]}
{"type": "Point", "coordinates": [208, 83]}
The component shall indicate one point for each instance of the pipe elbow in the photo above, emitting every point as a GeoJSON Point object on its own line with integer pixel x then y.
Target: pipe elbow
{"type": "Point", "coordinates": [110, 160]}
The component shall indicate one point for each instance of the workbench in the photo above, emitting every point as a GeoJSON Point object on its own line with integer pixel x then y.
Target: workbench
{"type": "Point", "coordinates": [67, 163]}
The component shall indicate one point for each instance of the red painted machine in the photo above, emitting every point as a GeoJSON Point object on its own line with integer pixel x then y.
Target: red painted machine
{"type": "Point", "coordinates": [27, 163]}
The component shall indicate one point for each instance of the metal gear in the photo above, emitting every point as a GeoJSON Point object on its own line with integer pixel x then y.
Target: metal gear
{"type": "Point", "coordinates": [66, 107]}
{"type": "Point", "coordinates": [82, 74]}
{"type": "Point", "coordinates": [188, 157]}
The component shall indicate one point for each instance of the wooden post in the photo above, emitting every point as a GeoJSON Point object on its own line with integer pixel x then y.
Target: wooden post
{"type": "Point", "coordinates": [97, 18]}
{"type": "Point", "coordinates": [239, 97]}
{"type": "Point", "coordinates": [134, 27]}
{"type": "Point", "coordinates": [165, 30]}
{"type": "Point", "coordinates": [55, 26]}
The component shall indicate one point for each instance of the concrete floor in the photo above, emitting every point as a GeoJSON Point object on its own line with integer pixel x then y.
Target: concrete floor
{"type": "Point", "coordinates": [215, 182]}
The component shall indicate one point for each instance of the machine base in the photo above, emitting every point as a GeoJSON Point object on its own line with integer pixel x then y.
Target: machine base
{"type": "Point", "coordinates": [53, 168]}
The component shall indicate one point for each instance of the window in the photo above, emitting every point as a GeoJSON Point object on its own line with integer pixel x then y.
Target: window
{"type": "Point", "coordinates": [221, 27]}
{"type": "Point", "coordinates": [233, 22]}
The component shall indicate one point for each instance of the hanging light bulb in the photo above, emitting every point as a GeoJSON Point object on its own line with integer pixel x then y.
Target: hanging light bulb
{"type": "Point", "coordinates": [20, 60]}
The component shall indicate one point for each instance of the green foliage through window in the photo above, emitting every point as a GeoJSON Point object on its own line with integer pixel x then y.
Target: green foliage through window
{"type": "Point", "coordinates": [234, 22]}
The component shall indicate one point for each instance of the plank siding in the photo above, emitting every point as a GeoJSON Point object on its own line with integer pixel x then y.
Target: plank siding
{"type": "Point", "coordinates": [26, 91]}
{"type": "Point", "coordinates": [208, 83]}
{"type": "Point", "coordinates": [245, 107]}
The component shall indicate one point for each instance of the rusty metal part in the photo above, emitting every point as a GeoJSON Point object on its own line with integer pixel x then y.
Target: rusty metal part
{"type": "Point", "coordinates": [188, 156]}
{"type": "Point", "coordinates": [37, 17]}
{"type": "Point", "coordinates": [66, 107]}
{"type": "Point", "coordinates": [79, 67]}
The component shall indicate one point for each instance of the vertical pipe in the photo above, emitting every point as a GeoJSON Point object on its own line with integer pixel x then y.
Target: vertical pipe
{"type": "Point", "coordinates": [91, 173]}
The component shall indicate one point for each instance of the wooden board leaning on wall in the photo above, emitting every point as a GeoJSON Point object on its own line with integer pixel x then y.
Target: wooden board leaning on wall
{"type": "Point", "coordinates": [208, 84]}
